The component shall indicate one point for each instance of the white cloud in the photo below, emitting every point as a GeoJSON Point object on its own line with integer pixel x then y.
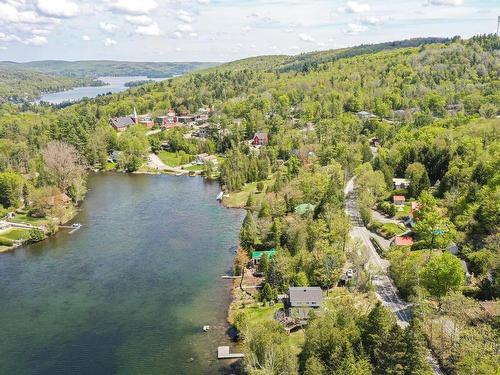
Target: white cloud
{"type": "Point", "coordinates": [3, 48]}
{"type": "Point", "coordinates": [139, 20]}
{"type": "Point", "coordinates": [355, 28]}
{"type": "Point", "coordinates": [11, 14]}
{"type": "Point", "coordinates": [108, 42]}
{"type": "Point", "coordinates": [177, 34]}
{"type": "Point", "coordinates": [184, 28]}
{"type": "Point", "coordinates": [133, 6]}
{"type": "Point", "coordinates": [86, 38]}
{"type": "Point", "coordinates": [37, 40]}
{"type": "Point", "coordinates": [108, 27]}
{"type": "Point", "coordinates": [306, 38]}
{"type": "Point", "coordinates": [452, 3]}
{"type": "Point", "coordinates": [204, 1]}
{"type": "Point", "coordinates": [57, 8]}
{"type": "Point", "coordinates": [193, 35]}
{"type": "Point", "coordinates": [371, 21]}
{"type": "Point", "coordinates": [151, 30]}
{"type": "Point", "coordinates": [178, 49]}
{"type": "Point", "coordinates": [9, 38]}
{"type": "Point", "coordinates": [184, 16]}
{"type": "Point", "coordinates": [355, 7]}
{"type": "Point", "coordinates": [322, 44]}
{"type": "Point", "coordinates": [39, 31]}
{"type": "Point", "coordinates": [295, 48]}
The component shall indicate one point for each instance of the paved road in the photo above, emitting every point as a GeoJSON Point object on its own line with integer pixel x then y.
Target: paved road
{"type": "Point", "coordinates": [385, 289]}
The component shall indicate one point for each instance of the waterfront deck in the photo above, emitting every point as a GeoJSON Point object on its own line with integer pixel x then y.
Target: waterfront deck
{"type": "Point", "coordinates": [223, 353]}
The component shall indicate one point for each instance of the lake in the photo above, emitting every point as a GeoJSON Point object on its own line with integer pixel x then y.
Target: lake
{"type": "Point", "coordinates": [130, 291]}
{"type": "Point", "coordinates": [114, 84]}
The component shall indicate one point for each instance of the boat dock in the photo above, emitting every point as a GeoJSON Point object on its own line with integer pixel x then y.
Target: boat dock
{"type": "Point", "coordinates": [73, 227]}
{"type": "Point", "coordinates": [223, 353]}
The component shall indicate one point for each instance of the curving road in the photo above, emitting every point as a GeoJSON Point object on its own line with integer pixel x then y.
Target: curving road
{"type": "Point", "coordinates": [386, 291]}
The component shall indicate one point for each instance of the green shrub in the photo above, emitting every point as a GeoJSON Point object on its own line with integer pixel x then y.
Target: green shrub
{"type": "Point", "coordinates": [6, 242]}
{"type": "Point", "coordinates": [36, 235]}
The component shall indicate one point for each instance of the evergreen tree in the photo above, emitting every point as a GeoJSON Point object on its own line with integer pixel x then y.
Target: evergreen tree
{"type": "Point", "coordinates": [377, 326]}
{"type": "Point", "coordinates": [248, 232]}
{"type": "Point", "coordinates": [390, 355]}
{"type": "Point", "coordinates": [415, 362]}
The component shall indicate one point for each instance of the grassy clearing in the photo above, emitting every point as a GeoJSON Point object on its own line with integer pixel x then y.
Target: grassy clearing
{"type": "Point", "coordinates": [174, 159]}
{"type": "Point", "coordinates": [24, 218]}
{"type": "Point", "coordinates": [239, 199]}
{"type": "Point", "coordinates": [404, 212]}
{"type": "Point", "coordinates": [389, 230]}
{"type": "Point", "coordinates": [258, 314]}
{"type": "Point", "coordinates": [15, 234]}
{"type": "Point", "coordinates": [194, 168]}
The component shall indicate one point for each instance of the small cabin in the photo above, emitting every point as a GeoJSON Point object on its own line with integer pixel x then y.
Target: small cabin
{"type": "Point", "coordinates": [257, 255]}
{"type": "Point", "coordinates": [260, 139]}
{"type": "Point", "coordinates": [400, 183]}
{"type": "Point", "coordinates": [399, 200]}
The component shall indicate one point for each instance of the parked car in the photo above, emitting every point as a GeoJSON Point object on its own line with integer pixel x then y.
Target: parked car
{"type": "Point", "coordinates": [349, 273]}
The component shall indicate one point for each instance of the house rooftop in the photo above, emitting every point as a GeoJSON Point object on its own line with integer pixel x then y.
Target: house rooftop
{"type": "Point", "coordinates": [398, 198]}
{"type": "Point", "coordinates": [258, 254]}
{"type": "Point", "coordinates": [300, 296]}
{"type": "Point", "coordinates": [403, 241]}
{"type": "Point", "coordinates": [122, 122]}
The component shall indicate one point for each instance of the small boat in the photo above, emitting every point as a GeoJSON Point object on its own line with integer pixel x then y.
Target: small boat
{"type": "Point", "coordinates": [206, 328]}
{"type": "Point", "coordinates": [76, 225]}
{"type": "Point", "coordinates": [219, 197]}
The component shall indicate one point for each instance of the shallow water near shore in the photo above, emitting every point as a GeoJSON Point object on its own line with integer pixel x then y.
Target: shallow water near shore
{"type": "Point", "coordinates": [129, 292]}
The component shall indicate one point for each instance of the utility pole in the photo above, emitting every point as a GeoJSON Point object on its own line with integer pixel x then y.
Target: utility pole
{"type": "Point", "coordinates": [498, 23]}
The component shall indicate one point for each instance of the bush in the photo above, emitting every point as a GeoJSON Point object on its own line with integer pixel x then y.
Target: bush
{"type": "Point", "coordinates": [387, 208]}
{"type": "Point", "coordinates": [36, 235]}
{"type": "Point", "coordinates": [6, 242]}
{"type": "Point", "coordinates": [260, 186]}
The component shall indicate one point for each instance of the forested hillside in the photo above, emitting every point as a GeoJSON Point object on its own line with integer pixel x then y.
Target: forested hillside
{"type": "Point", "coordinates": [21, 82]}
{"type": "Point", "coordinates": [99, 68]}
{"type": "Point", "coordinates": [427, 114]}
{"type": "Point", "coordinates": [19, 86]}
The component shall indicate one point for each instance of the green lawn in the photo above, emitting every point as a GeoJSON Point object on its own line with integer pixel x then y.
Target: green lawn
{"type": "Point", "coordinates": [389, 230]}
{"type": "Point", "coordinates": [239, 199]}
{"type": "Point", "coordinates": [15, 234]}
{"type": "Point", "coordinates": [173, 159]}
{"type": "Point", "coordinates": [259, 314]}
{"type": "Point", "coordinates": [404, 212]}
{"type": "Point", "coordinates": [24, 218]}
{"type": "Point", "coordinates": [194, 168]}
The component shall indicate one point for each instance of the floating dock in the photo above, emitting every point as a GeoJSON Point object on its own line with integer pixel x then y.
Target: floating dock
{"type": "Point", "coordinates": [223, 353]}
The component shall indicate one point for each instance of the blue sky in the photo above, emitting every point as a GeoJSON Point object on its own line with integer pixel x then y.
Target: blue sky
{"type": "Point", "coordinates": [223, 30]}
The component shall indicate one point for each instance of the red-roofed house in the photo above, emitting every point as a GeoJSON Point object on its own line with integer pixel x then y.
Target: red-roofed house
{"type": "Point", "coordinates": [260, 138]}
{"type": "Point", "coordinates": [399, 200]}
{"type": "Point", "coordinates": [403, 241]}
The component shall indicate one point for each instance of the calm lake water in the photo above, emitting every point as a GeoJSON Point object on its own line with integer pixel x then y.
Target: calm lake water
{"type": "Point", "coordinates": [115, 84]}
{"type": "Point", "coordinates": [130, 291]}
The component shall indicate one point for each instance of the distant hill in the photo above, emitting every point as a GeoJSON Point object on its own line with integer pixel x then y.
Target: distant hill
{"type": "Point", "coordinates": [96, 68]}
{"type": "Point", "coordinates": [310, 60]}
{"type": "Point", "coordinates": [20, 82]}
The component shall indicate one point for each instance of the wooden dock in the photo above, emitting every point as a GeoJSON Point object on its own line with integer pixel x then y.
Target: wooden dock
{"type": "Point", "coordinates": [223, 353]}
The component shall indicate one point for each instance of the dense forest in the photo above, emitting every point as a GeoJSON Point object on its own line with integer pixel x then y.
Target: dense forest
{"type": "Point", "coordinates": [426, 111]}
